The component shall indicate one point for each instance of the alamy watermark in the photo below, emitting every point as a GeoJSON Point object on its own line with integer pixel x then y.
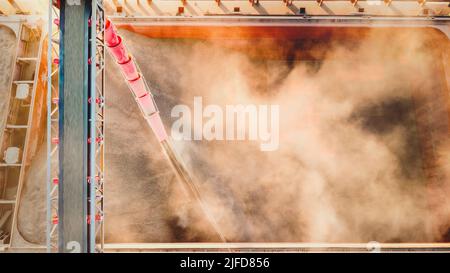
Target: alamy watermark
{"type": "Point", "coordinates": [232, 122]}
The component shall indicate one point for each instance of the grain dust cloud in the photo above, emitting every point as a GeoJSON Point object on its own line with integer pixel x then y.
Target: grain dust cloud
{"type": "Point", "coordinates": [353, 163]}
{"type": "Point", "coordinates": [350, 164]}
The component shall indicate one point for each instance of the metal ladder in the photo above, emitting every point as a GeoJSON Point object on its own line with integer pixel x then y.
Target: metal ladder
{"type": "Point", "coordinates": [16, 129]}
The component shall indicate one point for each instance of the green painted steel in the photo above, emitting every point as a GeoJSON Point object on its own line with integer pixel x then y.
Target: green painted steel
{"type": "Point", "coordinates": [73, 126]}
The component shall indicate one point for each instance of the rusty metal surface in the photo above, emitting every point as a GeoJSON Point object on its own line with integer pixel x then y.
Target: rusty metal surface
{"type": "Point", "coordinates": [278, 7]}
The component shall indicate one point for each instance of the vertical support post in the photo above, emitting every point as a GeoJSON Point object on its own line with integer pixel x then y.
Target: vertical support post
{"type": "Point", "coordinates": [100, 125]}
{"type": "Point", "coordinates": [92, 125]}
{"type": "Point", "coordinates": [96, 126]}
{"type": "Point", "coordinates": [52, 126]}
{"type": "Point", "coordinates": [49, 126]}
{"type": "Point", "coordinates": [73, 126]}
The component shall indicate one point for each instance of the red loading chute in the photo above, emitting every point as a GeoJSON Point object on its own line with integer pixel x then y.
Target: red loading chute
{"type": "Point", "coordinates": [135, 81]}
